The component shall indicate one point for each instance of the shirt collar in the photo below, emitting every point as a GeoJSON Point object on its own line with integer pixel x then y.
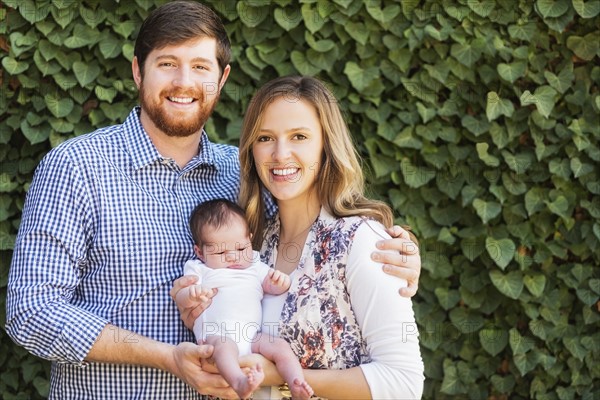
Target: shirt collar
{"type": "Point", "coordinates": [143, 151]}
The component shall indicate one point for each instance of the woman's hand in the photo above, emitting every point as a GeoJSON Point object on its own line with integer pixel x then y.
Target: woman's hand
{"type": "Point", "coordinates": [193, 306]}
{"type": "Point", "coordinates": [405, 264]}
{"type": "Point", "coordinates": [272, 377]}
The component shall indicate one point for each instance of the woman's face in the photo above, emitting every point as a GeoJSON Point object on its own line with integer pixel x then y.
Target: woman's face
{"type": "Point", "coordinates": [288, 150]}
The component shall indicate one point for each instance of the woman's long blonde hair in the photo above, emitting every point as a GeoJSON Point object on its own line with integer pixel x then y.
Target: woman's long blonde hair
{"type": "Point", "coordinates": [340, 181]}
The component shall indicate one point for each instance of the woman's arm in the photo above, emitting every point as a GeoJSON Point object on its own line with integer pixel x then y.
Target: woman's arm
{"type": "Point", "coordinates": [396, 369]}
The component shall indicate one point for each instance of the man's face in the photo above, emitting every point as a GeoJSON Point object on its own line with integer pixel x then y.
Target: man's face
{"type": "Point", "coordinates": [180, 87]}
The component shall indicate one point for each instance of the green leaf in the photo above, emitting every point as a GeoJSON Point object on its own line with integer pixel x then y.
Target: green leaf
{"type": "Point", "coordinates": [465, 320]}
{"type": "Point", "coordinates": [58, 106]}
{"type": "Point", "coordinates": [35, 134]}
{"type": "Point", "coordinates": [573, 344]}
{"type": "Point", "coordinates": [86, 73]}
{"type": "Point", "coordinates": [579, 168]}
{"type": "Point", "coordinates": [447, 298]}
{"type": "Point", "coordinates": [451, 383]}
{"type": "Point", "coordinates": [503, 384]}
{"type": "Point", "coordinates": [415, 176]}
{"type": "Point", "coordinates": [518, 343]}
{"type": "Point", "coordinates": [401, 57]}
{"type": "Point", "coordinates": [45, 67]}
{"type": "Point", "coordinates": [321, 46]}
{"type": "Point", "coordinates": [482, 152]}
{"type": "Point", "coordinates": [251, 16]}
{"type": "Point", "coordinates": [510, 285]}
{"type": "Point", "coordinates": [493, 340]}
{"type": "Point", "coordinates": [587, 9]}
{"type": "Point", "coordinates": [563, 81]}
{"type": "Point", "coordinates": [525, 32]}
{"type": "Point", "coordinates": [512, 72]}
{"type": "Point", "coordinates": [535, 283]}
{"type": "Point", "coordinates": [501, 251]}
{"type": "Point", "coordinates": [287, 19]}
{"type": "Point", "coordinates": [14, 67]}
{"type": "Point", "coordinates": [585, 47]}
{"type": "Point", "coordinates": [543, 98]}
{"type": "Point", "coordinates": [312, 20]}
{"type": "Point", "coordinates": [525, 362]}
{"type": "Point", "coordinates": [360, 78]}
{"type": "Point", "coordinates": [474, 125]}
{"type": "Point", "coordinates": [482, 8]}
{"type": "Point", "coordinates": [383, 15]}
{"type": "Point", "coordinates": [125, 28]}
{"type": "Point", "coordinates": [105, 94]}
{"type": "Point", "coordinates": [32, 12]}
{"type": "Point", "coordinates": [560, 167]}
{"type": "Point", "coordinates": [559, 206]}
{"type": "Point", "coordinates": [110, 47]}
{"type": "Point", "coordinates": [302, 64]}
{"type": "Point", "coordinates": [487, 210]}
{"type": "Point", "coordinates": [465, 54]}
{"type": "Point", "coordinates": [552, 8]}
{"type": "Point", "coordinates": [497, 106]}
{"type": "Point", "coordinates": [358, 31]}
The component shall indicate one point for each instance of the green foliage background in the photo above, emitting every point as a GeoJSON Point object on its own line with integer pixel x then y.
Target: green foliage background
{"type": "Point", "coordinates": [478, 122]}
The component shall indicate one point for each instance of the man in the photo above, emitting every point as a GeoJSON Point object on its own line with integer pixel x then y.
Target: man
{"type": "Point", "coordinates": [104, 230]}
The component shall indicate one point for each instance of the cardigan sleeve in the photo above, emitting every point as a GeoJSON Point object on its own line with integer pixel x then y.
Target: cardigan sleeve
{"type": "Point", "coordinates": [386, 320]}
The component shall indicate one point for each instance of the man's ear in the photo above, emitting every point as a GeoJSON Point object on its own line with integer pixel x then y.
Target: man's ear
{"type": "Point", "coordinates": [226, 72]}
{"type": "Point", "coordinates": [198, 252]}
{"type": "Point", "coordinates": [137, 72]}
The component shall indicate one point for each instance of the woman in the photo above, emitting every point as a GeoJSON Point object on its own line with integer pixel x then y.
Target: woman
{"type": "Point", "coordinates": [336, 315]}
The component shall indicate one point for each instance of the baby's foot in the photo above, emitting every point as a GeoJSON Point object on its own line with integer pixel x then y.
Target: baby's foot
{"type": "Point", "coordinates": [250, 382]}
{"type": "Point", "coordinates": [301, 390]}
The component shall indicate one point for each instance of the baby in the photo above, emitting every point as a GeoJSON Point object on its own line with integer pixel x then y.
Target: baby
{"type": "Point", "coordinates": [231, 324]}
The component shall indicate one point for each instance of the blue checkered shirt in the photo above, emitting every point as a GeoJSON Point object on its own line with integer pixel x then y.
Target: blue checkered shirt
{"type": "Point", "coordinates": [103, 235]}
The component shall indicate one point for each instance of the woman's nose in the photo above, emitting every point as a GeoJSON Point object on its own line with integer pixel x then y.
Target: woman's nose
{"type": "Point", "coordinates": [281, 151]}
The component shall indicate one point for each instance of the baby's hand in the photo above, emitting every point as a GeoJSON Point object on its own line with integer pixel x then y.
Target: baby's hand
{"type": "Point", "coordinates": [280, 279]}
{"type": "Point", "coordinates": [276, 282]}
{"type": "Point", "coordinates": [200, 293]}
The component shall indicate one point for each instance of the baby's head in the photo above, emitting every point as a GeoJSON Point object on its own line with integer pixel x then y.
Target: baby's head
{"type": "Point", "coordinates": [221, 235]}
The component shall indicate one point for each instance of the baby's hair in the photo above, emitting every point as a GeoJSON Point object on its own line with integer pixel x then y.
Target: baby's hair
{"type": "Point", "coordinates": [215, 214]}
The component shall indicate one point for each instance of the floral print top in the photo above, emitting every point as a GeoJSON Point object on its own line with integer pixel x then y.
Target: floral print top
{"type": "Point", "coordinates": [317, 318]}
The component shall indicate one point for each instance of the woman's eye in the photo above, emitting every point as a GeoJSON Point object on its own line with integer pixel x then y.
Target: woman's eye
{"type": "Point", "coordinates": [263, 139]}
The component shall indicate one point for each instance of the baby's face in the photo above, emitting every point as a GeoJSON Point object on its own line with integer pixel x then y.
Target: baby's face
{"type": "Point", "coordinates": [228, 247]}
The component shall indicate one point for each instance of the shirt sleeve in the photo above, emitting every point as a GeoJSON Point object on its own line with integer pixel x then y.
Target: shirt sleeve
{"type": "Point", "coordinates": [194, 267]}
{"type": "Point", "coordinates": [386, 319]}
{"type": "Point", "coordinates": [47, 265]}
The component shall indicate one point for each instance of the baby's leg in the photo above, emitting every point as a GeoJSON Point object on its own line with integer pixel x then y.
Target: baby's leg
{"type": "Point", "coordinates": [226, 357]}
{"type": "Point", "coordinates": [279, 351]}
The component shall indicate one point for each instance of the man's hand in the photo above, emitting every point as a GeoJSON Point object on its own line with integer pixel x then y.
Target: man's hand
{"type": "Point", "coordinates": [186, 365]}
{"type": "Point", "coordinates": [190, 308]}
{"type": "Point", "coordinates": [276, 282]}
{"type": "Point", "coordinates": [406, 264]}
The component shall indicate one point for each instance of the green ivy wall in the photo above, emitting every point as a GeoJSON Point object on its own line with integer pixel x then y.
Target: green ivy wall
{"type": "Point", "coordinates": [478, 121]}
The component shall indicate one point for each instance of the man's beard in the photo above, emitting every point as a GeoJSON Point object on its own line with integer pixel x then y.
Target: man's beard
{"type": "Point", "coordinates": [171, 125]}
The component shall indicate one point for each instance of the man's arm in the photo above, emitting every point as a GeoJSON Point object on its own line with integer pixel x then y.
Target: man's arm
{"type": "Point", "coordinates": [405, 264]}
{"type": "Point", "coordinates": [120, 346]}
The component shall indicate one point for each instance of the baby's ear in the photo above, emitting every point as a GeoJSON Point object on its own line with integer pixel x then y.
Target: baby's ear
{"type": "Point", "coordinates": [198, 252]}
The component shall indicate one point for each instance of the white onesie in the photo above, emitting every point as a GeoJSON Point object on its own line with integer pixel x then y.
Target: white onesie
{"type": "Point", "coordinates": [236, 310]}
